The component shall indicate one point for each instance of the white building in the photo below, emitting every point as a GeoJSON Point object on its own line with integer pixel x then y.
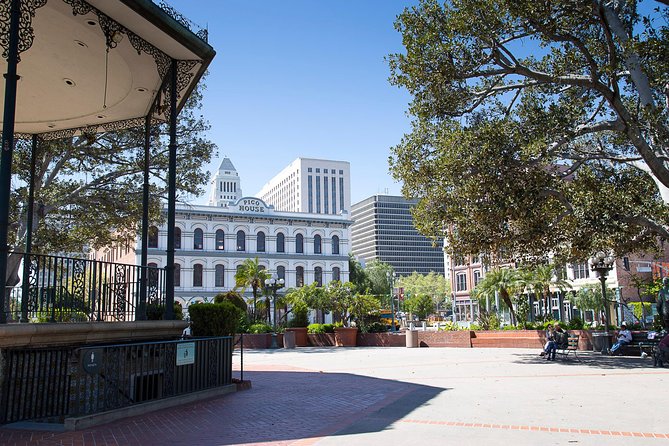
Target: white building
{"type": "Point", "coordinates": [225, 187]}
{"type": "Point", "coordinates": [310, 185]}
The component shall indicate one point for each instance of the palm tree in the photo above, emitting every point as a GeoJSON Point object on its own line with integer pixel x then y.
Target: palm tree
{"type": "Point", "coordinates": [542, 278]}
{"type": "Point", "coordinates": [251, 273]}
{"type": "Point", "coordinates": [505, 281]}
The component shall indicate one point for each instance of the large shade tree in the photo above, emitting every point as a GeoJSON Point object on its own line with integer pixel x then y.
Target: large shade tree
{"type": "Point", "coordinates": [540, 126]}
{"type": "Point", "coordinates": [88, 189]}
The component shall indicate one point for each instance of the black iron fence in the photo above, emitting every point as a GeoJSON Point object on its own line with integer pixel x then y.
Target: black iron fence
{"type": "Point", "coordinates": [65, 289]}
{"type": "Point", "coordinates": [50, 385]}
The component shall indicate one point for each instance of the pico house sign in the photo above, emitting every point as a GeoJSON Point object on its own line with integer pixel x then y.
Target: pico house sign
{"type": "Point", "coordinates": [252, 205]}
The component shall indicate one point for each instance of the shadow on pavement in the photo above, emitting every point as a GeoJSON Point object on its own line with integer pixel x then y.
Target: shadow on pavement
{"type": "Point", "coordinates": [592, 359]}
{"type": "Point", "coordinates": [281, 406]}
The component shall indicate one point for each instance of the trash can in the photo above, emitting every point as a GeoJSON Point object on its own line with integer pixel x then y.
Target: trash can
{"type": "Point", "coordinates": [289, 339]}
{"type": "Point", "coordinates": [411, 338]}
{"type": "Point", "coordinates": [600, 341]}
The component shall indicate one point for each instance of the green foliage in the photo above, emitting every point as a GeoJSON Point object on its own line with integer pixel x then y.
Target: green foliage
{"type": "Point", "coordinates": [449, 326]}
{"type": "Point", "coordinates": [575, 323]}
{"type": "Point", "coordinates": [377, 272]}
{"type": "Point", "coordinates": [488, 320]}
{"type": "Point", "coordinates": [260, 328]}
{"type": "Point", "coordinates": [420, 305]}
{"type": "Point", "coordinates": [62, 315]}
{"type": "Point", "coordinates": [375, 327]}
{"type": "Point", "coordinates": [251, 274]}
{"type": "Point", "coordinates": [357, 275]}
{"type": "Point", "coordinates": [504, 281]}
{"type": "Point", "coordinates": [431, 284]}
{"type": "Point", "coordinates": [320, 328]}
{"type": "Point", "coordinates": [589, 297]}
{"type": "Point", "coordinates": [233, 297]}
{"type": "Point", "coordinates": [533, 152]}
{"type": "Point", "coordinates": [214, 319]}
{"type": "Point", "coordinates": [300, 315]}
{"type": "Point", "coordinates": [154, 312]}
{"type": "Point", "coordinates": [522, 310]}
{"type": "Point", "coordinates": [362, 307]}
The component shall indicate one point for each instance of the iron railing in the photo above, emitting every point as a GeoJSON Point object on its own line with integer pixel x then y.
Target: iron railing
{"type": "Point", "coordinates": [49, 385]}
{"type": "Point", "coordinates": [65, 289]}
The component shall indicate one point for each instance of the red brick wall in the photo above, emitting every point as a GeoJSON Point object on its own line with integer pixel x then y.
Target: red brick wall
{"type": "Point", "coordinates": [510, 339]}
{"type": "Point", "coordinates": [321, 340]}
{"type": "Point", "coordinates": [444, 339]}
{"type": "Point", "coordinates": [381, 340]}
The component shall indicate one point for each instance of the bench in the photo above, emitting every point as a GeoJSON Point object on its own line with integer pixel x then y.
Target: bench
{"type": "Point", "coordinates": [641, 342]}
{"type": "Point", "coordinates": [572, 346]}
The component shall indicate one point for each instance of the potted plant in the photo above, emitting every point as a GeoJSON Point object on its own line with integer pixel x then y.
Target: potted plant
{"type": "Point", "coordinates": [340, 301]}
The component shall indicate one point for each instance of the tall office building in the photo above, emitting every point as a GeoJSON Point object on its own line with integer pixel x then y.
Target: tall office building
{"type": "Point", "coordinates": [225, 187]}
{"type": "Point", "coordinates": [383, 229]}
{"type": "Point", "coordinates": [310, 185]}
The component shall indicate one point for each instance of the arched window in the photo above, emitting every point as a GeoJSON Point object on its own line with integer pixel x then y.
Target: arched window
{"type": "Point", "coordinates": [241, 241]}
{"type": "Point", "coordinates": [220, 276]}
{"type": "Point", "coordinates": [198, 239]}
{"type": "Point", "coordinates": [299, 243]}
{"type": "Point", "coordinates": [318, 276]}
{"type": "Point", "coordinates": [336, 274]}
{"type": "Point", "coordinates": [281, 272]}
{"type": "Point", "coordinates": [177, 274]}
{"type": "Point", "coordinates": [177, 238]}
{"type": "Point", "coordinates": [318, 245]}
{"type": "Point", "coordinates": [335, 244]}
{"type": "Point", "coordinates": [260, 242]}
{"type": "Point", "coordinates": [220, 240]}
{"type": "Point", "coordinates": [299, 276]}
{"type": "Point", "coordinates": [197, 275]}
{"type": "Point", "coordinates": [153, 237]}
{"type": "Point", "coordinates": [153, 275]}
{"type": "Point", "coordinates": [280, 242]}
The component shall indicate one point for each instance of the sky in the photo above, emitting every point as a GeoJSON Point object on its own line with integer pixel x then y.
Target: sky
{"type": "Point", "coordinates": [303, 78]}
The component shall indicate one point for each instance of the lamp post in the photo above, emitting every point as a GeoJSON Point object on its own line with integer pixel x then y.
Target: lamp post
{"type": "Point", "coordinates": [391, 277]}
{"type": "Point", "coordinates": [273, 284]}
{"type": "Point", "coordinates": [601, 264]}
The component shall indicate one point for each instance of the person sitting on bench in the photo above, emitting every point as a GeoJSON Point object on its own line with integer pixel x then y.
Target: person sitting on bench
{"type": "Point", "coordinates": [550, 342]}
{"type": "Point", "coordinates": [624, 338]}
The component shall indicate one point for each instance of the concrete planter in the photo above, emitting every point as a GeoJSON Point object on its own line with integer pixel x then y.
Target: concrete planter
{"type": "Point", "coordinates": [301, 339]}
{"type": "Point", "coordinates": [346, 336]}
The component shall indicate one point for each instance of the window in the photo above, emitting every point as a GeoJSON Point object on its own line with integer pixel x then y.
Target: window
{"type": "Point", "coordinates": [219, 279]}
{"type": "Point", "coordinates": [299, 243]}
{"type": "Point", "coordinates": [260, 242]}
{"type": "Point", "coordinates": [280, 242]}
{"type": "Point", "coordinates": [318, 248]}
{"type": "Point", "coordinates": [335, 244]}
{"type": "Point", "coordinates": [581, 271]}
{"type": "Point", "coordinates": [197, 275]}
{"type": "Point", "coordinates": [198, 239]}
{"type": "Point", "coordinates": [299, 276]}
{"type": "Point", "coordinates": [336, 274]}
{"type": "Point", "coordinates": [281, 272]}
{"type": "Point", "coordinates": [477, 277]}
{"type": "Point", "coordinates": [318, 276]}
{"type": "Point", "coordinates": [177, 274]}
{"type": "Point", "coordinates": [325, 195]}
{"type": "Point", "coordinates": [310, 196]}
{"type": "Point", "coordinates": [626, 263]}
{"type": "Point", "coordinates": [241, 241]}
{"type": "Point", "coordinates": [461, 282]}
{"type": "Point", "coordinates": [334, 194]}
{"type": "Point", "coordinates": [318, 194]}
{"type": "Point", "coordinates": [177, 238]}
{"type": "Point", "coordinates": [220, 240]}
{"type": "Point", "coordinates": [153, 237]}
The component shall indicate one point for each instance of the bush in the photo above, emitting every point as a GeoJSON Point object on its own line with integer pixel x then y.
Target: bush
{"type": "Point", "coordinates": [233, 297]}
{"type": "Point", "coordinates": [576, 323]}
{"type": "Point", "coordinates": [214, 319]}
{"type": "Point", "coordinates": [154, 312]}
{"type": "Point", "coordinates": [260, 328]}
{"type": "Point", "coordinates": [315, 328]}
{"type": "Point", "coordinates": [300, 316]}
{"type": "Point", "coordinates": [376, 327]}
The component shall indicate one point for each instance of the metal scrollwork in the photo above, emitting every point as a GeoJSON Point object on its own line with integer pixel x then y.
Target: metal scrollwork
{"type": "Point", "coordinates": [120, 292]}
{"type": "Point", "coordinates": [184, 74]}
{"type": "Point", "coordinates": [140, 45]}
{"type": "Point", "coordinates": [176, 15]}
{"type": "Point", "coordinates": [26, 33]}
{"type": "Point", "coordinates": [78, 278]}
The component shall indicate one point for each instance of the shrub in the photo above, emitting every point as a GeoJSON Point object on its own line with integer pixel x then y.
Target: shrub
{"type": "Point", "coordinates": [154, 312]}
{"type": "Point", "coordinates": [329, 328]}
{"type": "Point", "coordinates": [214, 319]}
{"type": "Point", "coordinates": [260, 328]}
{"type": "Point", "coordinates": [315, 329]}
{"type": "Point", "coordinates": [576, 323]}
{"type": "Point", "coordinates": [233, 297]}
{"type": "Point", "coordinates": [448, 326]}
{"type": "Point", "coordinates": [300, 316]}
{"type": "Point", "coordinates": [376, 327]}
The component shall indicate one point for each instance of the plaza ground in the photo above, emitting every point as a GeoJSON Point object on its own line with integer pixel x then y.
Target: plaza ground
{"type": "Point", "coordinates": [399, 396]}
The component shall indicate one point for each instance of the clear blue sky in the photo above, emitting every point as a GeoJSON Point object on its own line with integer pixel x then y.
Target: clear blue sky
{"type": "Point", "coordinates": [303, 78]}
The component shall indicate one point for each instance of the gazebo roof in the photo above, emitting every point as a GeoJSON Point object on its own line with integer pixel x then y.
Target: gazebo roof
{"type": "Point", "coordinates": [99, 65]}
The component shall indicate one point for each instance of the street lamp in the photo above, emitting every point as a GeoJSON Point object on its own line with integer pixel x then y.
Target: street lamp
{"type": "Point", "coordinates": [391, 277]}
{"type": "Point", "coordinates": [602, 264]}
{"type": "Point", "coordinates": [273, 284]}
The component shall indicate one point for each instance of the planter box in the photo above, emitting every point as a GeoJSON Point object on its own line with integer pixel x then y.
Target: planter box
{"type": "Point", "coordinates": [346, 336]}
{"type": "Point", "coordinates": [301, 339]}
{"type": "Point", "coordinates": [381, 340]}
{"type": "Point", "coordinates": [508, 339]}
{"type": "Point", "coordinates": [262, 340]}
{"type": "Point", "coordinates": [321, 339]}
{"type": "Point", "coordinates": [460, 339]}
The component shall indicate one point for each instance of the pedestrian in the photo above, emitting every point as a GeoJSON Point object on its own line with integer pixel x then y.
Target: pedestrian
{"type": "Point", "coordinates": [624, 338]}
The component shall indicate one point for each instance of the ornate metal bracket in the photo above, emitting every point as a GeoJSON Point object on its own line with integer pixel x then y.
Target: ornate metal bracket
{"type": "Point", "coordinates": [26, 33]}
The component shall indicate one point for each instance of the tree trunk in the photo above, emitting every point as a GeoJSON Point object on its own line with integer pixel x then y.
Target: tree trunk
{"type": "Point", "coordinates": [507, 301]}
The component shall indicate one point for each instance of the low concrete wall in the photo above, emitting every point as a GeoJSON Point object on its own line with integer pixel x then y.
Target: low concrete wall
{"type": "Point", "coordinates": [86, 333]}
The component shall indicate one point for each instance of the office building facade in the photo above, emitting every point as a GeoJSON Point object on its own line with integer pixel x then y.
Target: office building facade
{"type": "Point", "coordinates": [310, 185]}
{"type": "Point", "coordinates": [383, 230]}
